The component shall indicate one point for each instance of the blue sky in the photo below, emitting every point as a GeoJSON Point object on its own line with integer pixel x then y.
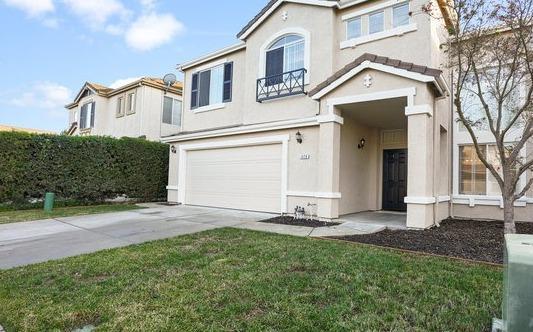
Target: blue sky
{"type": "Point", "coordinates": [51, 47]}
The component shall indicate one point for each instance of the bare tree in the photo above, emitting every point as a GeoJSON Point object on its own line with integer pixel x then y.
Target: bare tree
{"type": "Point", "coordinates": [491, 58]}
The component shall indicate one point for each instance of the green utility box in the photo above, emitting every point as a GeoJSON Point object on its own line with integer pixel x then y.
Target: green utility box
{"type": "Point", "coordinates": [518, 284]}
{"type": "Point", "coordinates": [49, 202]}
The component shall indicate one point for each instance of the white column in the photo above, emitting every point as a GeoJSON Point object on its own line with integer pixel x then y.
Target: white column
{"type": "Point", "coordinates": [328, 167]}
{"type": "Point", "coordinates": [420, 200]}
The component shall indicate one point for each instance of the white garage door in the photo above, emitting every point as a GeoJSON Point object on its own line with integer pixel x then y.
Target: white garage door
{"type": "Point", "coordinates": [244, 178]}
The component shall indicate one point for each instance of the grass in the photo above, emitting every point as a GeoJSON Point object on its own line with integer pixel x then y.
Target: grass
{"type": "Point", "coordinates": [229, 279]}
{"type": "Point", "coordinates": [29, 215]}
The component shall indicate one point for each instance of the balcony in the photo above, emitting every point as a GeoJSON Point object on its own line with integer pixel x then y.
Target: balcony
{"type": "Point", "coordinates": [281, 85]}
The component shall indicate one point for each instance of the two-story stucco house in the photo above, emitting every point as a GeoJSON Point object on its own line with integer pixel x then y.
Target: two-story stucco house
{"type": "Point", "coordinates": [143, 108]}
{"type": "Point", "coordinates": [336, 106]}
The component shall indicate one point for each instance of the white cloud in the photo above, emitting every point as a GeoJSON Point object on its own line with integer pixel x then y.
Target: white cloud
{"type": "Point", "coordinates": [32, 8]}
{"type": "Point", "coordinates": [152, 30]}
{"type": "Point", "coordinates": [96, 13]}
{"type": "Point", "coordinates": [123, 81]}
{"type": "Point", "coordinates": [44, 95]}
{"type": "Point", "coordinates": [148, 4]}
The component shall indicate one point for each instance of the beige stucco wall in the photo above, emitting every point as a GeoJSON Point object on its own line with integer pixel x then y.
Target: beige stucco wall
{"type": "Point", "coordinates": [146, 120]}
{"type": "Point", "coordinates": [491, 212]}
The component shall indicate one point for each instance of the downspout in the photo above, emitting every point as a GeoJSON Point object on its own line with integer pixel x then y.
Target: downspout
{"type": "Point", "coordinates": [436, 147]}
{"type": "Point", "coordinates": [451, 139]}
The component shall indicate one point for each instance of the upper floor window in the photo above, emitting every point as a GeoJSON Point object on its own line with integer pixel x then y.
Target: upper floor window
{"type": "Point", "coordinates": [120, 106]}
{"type": "Point", "coordinates": [212, 86]}
{"type": "Point", "coordinates": [400, 15]}
{"type": "Point", "coordinates": [130, 106]}
{"type": "Point", "coordinates": [284, 55]}
{"type": "Point", "coordinates": [376, 22]}
{"type": "Point", "coordinates": [353, 28]}
{"type": "Point", "coordinates": [172, 111]}
{"type": "Point", "coordinates": [87, 115]}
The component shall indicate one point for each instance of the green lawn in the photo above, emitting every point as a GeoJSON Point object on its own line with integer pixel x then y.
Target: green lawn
{"type": "Point", "coordinates": [28, 215]}
{"type": "Point", "coordinates": [229, 279]}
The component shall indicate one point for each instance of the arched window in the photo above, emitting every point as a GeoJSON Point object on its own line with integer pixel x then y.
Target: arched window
{"type": "Point", "coordinates": [285, 54]}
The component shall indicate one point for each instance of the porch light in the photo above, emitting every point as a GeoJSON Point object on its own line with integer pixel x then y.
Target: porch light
{"type": "Point", "coordinates": [362, 143]}
{"type": "Point", "coordinates": [173, 148]}
{"type": "Point", "coordinates": [299, 137]}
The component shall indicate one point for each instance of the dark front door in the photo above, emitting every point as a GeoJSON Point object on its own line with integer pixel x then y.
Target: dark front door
{"type": "Point", "coordinates": [394, 180]}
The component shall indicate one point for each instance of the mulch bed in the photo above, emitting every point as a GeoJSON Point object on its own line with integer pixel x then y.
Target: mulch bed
{"type": "Point", "coordinates": [475, 240]}
{"type": "Point", "coordinates": [288, 220]}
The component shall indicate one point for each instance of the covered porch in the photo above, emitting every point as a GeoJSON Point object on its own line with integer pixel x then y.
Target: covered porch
{"type": "Point", "coordinates": [385, 144]}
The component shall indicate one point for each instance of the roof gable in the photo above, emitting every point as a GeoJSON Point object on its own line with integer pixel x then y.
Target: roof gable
{"type": "Point", "coordinates": [271, 6]}
{"type": "Point", "coordinates": [385, 64]}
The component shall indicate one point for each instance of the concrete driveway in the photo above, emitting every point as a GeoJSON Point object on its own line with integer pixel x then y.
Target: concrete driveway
{"type": "Point", "coordinates": [38, 241]}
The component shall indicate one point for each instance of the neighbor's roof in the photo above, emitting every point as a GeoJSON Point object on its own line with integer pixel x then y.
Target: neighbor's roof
{"type": "Point", "coordinates": [107, 92]}
{"type": "Point", "coordinates": [394, 63]}
{"type": "Point", "coordinates": [273, 4]}
{"type": "Point", "coordinates": [26, 130]}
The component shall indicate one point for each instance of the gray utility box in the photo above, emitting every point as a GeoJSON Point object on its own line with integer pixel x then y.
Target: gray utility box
{"type": "Point", "coordinates": [518, 283]}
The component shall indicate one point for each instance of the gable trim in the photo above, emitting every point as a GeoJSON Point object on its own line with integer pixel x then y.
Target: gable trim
{"type": "Point", "coordinates": [259, 20]}
{"type": "Point", "coordinates": [380, 67]}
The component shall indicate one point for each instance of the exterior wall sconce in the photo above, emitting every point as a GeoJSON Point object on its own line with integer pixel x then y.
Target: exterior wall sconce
{"type": "Point", "coordinates": [299, 137]}
{"type": "Point", "coordinates": [173, 149]}
{"type": "Point", "coordinates": [361, 144]}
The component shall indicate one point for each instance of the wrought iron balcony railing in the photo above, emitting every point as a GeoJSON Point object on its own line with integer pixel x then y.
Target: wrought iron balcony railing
{"type": "Point", "coordinates": [282, 85]}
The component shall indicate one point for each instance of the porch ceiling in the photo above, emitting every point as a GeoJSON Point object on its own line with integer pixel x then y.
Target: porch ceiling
{"type": "Point", "coordinates": [384, 114]}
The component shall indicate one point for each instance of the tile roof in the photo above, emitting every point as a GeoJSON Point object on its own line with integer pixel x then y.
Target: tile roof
{"type": "Point", "coordinates": [376, 59]}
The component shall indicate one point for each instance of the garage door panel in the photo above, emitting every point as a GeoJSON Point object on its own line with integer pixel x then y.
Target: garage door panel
{"type": "Point", "coordinates": [247, 178]}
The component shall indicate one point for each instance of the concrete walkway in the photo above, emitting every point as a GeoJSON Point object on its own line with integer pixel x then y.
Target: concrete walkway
{"type": "Point", "coordinates": [38, 241]}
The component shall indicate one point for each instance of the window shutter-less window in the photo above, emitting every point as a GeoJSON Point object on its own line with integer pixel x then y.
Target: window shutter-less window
{"type": "Point", "coordinates": [228, 82]}
{"type": "Point", "coordinates": [204, 84]}
{"type": "Point", "coordinates": [83, 117]}
{"type": "Point", "coordinates": [93, 104]}
{"type": "Point", "coordinates": [194, 91]}
{"type": "Point", "coordinates": [167, 110]}
{"type": "Point", "coordinates": [274, 66]}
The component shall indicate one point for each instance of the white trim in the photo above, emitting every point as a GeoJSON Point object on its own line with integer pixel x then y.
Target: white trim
{"type": "Point", "coordinates": [330, 118]}
{"type": "Point", "coordinates": [442, 199]}
{"type": "Point", "coordinates": [292, 30]}
{"type": "Point", "coordinates": [394, 32]}
{"type": "Point", "coordinates": [350, 4]}
{"type": "Point", "coordinates": [419, 109]}
{"type": "Point", "coordinates": [407, 92]}
{"type": "Point", "coordinates": [208, 108]}
{"type": "Point", "coordinates": [474, 200]}
{"type": "Point", "coordinates": [376, 66]}
{"type": "Point", "coordinates": [173, 188]}
{"type": "Point", "coordinates": [332, 195]}
{"type": "Point", "coordinates": [210, 65]}
{"type": "Point", "coordinates": [372, 9]}
{"type": "Point", "coordinates": [279, 139]}
{"type": "Point", "coordinates": [212, 56]}
{"type": "Point", "coordinates": [269, 126]}
{"type": "Point", "coordinates": [322, 3]}
{"type": "Point", "coordinates": [419, 200]}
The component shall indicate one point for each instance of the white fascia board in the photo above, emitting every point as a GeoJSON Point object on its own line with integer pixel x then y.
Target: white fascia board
{"type": "Point", "coordinates": [277, 125]}
{"type": "Point", "coordinates": [322, 3]}
{"type": "Point", "coordinates": [399, 31]}
{"type": "Point", "coordinates": [212, 56]}
{"type": "Point", "coordinates": [376, 66]}
{"type": "Point", "coordinates": [372, 9]}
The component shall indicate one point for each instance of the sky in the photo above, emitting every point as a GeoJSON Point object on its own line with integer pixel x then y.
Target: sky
{"type": "Point", "coordinates": [50, 48]}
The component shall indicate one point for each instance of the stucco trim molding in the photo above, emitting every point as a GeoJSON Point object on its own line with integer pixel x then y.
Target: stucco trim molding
{"type": "Point", "coordinates": [332, 195]}
{"type": "Point", "coordinates": [419, 200]}
{"type": "Point", "coordinates": [269, 126]}
{"type": "Point", "coordinates": [278, 139]}
{"type": "Point", "coordinates": [396, 32]}
{"type": "Point", "coordinates": [330, 118]}
{"type": "Point", "coordinates": [475, 200]}
{"type": "Point", "coordinates": [419, 109]}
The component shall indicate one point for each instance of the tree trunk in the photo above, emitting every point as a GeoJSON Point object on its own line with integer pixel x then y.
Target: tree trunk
{"type": "Point", "coordinates": [508, 215]}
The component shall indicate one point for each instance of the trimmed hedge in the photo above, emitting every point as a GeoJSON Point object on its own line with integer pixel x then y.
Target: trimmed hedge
{"type": "Point", "coordinates": [84, 170]}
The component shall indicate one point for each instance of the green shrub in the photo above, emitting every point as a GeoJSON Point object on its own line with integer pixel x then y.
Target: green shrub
{"type": "Point", "coordinates": [80, 170]}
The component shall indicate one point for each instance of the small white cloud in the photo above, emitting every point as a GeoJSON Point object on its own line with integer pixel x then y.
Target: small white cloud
{"type": "Point", "coordinates": [96, 13]}
{"type": "Point", "coordinates": [44, 95]}
{"type": "Point", "coordinates": [123, 81]}
{"type": "Point", "coordinates": [152, 30]}
{"type": "Point", "coordinates": [32, 8]}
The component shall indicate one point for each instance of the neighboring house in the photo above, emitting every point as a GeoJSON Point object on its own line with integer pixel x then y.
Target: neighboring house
{"type": "Point", "coordinates": [336, 106]}
{"type": "Point", "coordinates": [144, 108]}
{"type": "Point", "coordinates": [26, 130]}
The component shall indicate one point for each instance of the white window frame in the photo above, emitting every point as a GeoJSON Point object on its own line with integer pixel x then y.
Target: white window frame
{"type": "Point", "coordinates": [408, 3]}
{"type": "Point", "coordinates": [360, 18]}
{"type": "Point", "coordinates": [382, 12]}
{"type": "Point", "coordinates": [88, 117]}
{"type": "Point", "coordinates": [130, 107]}
{"type": "Point", "coordinates": [172, 111]}
{"type": "Point", "coordinates": [119, 112]}
{"type": "Point", "coordinates": [198, 70]}
{"type": "Point", "coordinates": [288, 31]}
